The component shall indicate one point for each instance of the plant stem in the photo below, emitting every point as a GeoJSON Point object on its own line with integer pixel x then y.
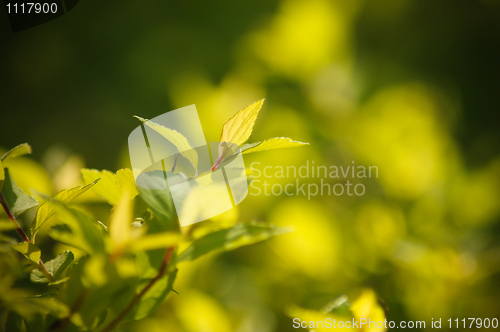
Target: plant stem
{"type": "Point", "coordinates": [46, 272]}
{"type": "Point", "coordinates": [138, 297]}
{"type": "Point", "coordinates": [60, 325]}
{"type": "Point", "coordinates": [226, 150]}
{"type": "Point", "coordinates": [217, 163]}
{"type": "Point", "coordinates": [175, 161]}
{"type": "Point", "coordinates": [24, 237]}
{"type": "Point", "coordinates": [19, 230]}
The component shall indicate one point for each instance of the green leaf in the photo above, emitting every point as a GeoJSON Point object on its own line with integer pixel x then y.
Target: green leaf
{"type": "Point", "coordinates": [158, 200]}
{"type": "Point", "coordinates": [339, 306]}
{"type": "Point", "coordinates": [230, 239]}
{"type": "Point", "coordinates": [17, 201]}
{"type": "Point", "coordinates": [55, 267]}
{"type": "Point", "coordinates": [17, 151]}
{"type": "Point", "coordinates": [154, 297]}
{"type": "Point", "coordinates": [271, 144]}
{"type": "Point", "coordinates": [29, 250]}
{"type": "Point", "coordinates": [78, 229]}
{"type": "Point", "coordinates": [176, 138]}
{"type": "Point", "coordinates": [46, 211]}
{"type": "Point", "coordinates": [150, 302]}
{"type": "Point", "coordinates": [59, 282]}
{"type": "Point", "coordinates": [6, 225]}
{"type": "Point", "coordinates": [2, 176]}
{"type": "Point", "coordinates": [155, 241]}
{"type": "Point", "coordinates": [238, 129]}
{"type": "Point", "coordinates": [53, 306]}
{"type": "Point", "coordinates": [98, 299]}
{"type": "Point", "coordinates": [106, 188]}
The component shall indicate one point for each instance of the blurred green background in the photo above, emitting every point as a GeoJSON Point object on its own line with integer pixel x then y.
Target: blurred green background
{"type": "Point", "coordinates": [410, 86]}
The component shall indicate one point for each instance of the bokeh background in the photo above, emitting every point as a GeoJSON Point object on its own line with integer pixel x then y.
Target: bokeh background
{"type": "Point", "coordinates": [409, 86]}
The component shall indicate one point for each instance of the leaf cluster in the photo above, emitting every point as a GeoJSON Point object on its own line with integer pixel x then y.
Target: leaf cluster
{"type": "Point", "coordinates": [127, 264]}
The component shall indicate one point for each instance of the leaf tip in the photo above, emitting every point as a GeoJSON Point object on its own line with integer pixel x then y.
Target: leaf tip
{"type": "Point", "coordinates": [143, 120]}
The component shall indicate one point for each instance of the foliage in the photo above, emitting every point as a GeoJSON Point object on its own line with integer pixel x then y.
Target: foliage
{"type": "Point", "coordinates": [127, 265]}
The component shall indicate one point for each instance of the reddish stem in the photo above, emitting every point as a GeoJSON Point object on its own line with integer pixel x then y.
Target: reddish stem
{"type": "Point", "coordinates": [138, 297]}
{"type": "Point", "coordinates": [25, 238]}
{"type": "Point", "coordinates": [217, 163]}
{"type": "Point", "coordinates": [19, 230]}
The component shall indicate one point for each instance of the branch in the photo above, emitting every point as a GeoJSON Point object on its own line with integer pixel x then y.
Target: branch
{"type": "Point", "coordinates": [138, 297]}
{"type": "Point", "coordinates": [19, 230]}
{"type": "Point", "coordinates": [60, 325]}
{"type": "Point", "coordinates": [24, 238]}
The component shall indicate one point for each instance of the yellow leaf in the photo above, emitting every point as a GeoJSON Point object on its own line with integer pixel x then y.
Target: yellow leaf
{"type": "Point", "coordinates": [95, 271]}
{"type": "Point", "coordinates": [17, 151]}
{"type": "Point", "coordinates": [176, 138]}
{"type": "Point", "coordinates": [271, 144]}
{"type": "Point", "coordinates": [125, 181]}
{"type": "Point", "coordinates": [29, 250]}
{"type": "Point", "coordinates": [366, 306]}
{"type": "Point", "coordinates": [238, 129]}
{"type": "Point", "coordinates": [120, 223]}
{"type": "Point", "coordinates": [106, 188]}
{"type": "Point", "coordinates": [155, 241]}
{"type": "Point", "coordinates": [46, 211]}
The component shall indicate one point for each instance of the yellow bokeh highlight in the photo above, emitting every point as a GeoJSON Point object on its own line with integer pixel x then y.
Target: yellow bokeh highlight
{"type": "Point", "coordinates": [304, 36]}
{"type": "Point", "coordinates": [381, 227]}
{"type": "Point", "coordinates": [199, 312]}
{"type": "Point", "coordinates": [313, 247]}
{"type": "Point", "coordinates": [399, 132]}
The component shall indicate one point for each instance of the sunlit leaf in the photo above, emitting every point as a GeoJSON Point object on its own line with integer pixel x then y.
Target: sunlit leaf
{"type": "Point", "coordinates": [17, 151]}
{"type": "Point", "coordinates": [238, 129]}
{"type": "Point", "coordinates": [6, 225]}
{"type": "Point", "coordinates": [120, 223]}
{"type": "Point", "coordinates": [230, 239]}
{"type": "Point", "coordinates": [55, 267]}
{"type": "Point", "coordinates": [29, 175]}
{"type": "Point", "coordinates": [46, 211]}
{"type": "Point", "coordinates": [95, 271]}
{"type": "Point", "coordinates": [107, 187]}
{"type": "Point", "coordinates": [367, 306]}
{"type": "Point", "coordinates": [17, 201]}
{"type": "Point", "coordinates": [155, 241]}
{"type": "Point", "coordinates": [176, 138]}
{"type": "Point", "coordinates": [29, 250]}
{"type": "Point", "coordinates": [126, 182]}
{"type": "Point", "coordinates": [271, 144]}
{"type": "Point", "coordinates": [78, 230]}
